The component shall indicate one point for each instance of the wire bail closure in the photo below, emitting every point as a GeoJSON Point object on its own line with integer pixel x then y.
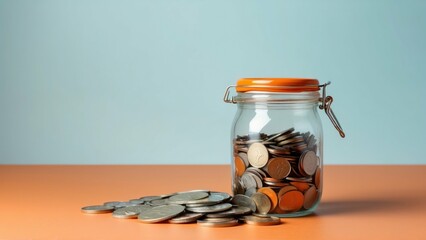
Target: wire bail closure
{"type": "Point", "coordinates": [325, 104]}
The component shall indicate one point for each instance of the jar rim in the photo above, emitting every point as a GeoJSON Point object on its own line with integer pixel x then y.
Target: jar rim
{"type": "Point", "coordinates": [284, 85]}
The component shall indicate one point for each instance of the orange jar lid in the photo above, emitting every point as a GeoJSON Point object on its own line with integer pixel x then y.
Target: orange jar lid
{"type": "Point", "coordinates": [277, 85]}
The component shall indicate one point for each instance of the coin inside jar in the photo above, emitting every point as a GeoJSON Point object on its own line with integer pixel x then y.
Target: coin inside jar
{"type": "Point", "coordinates": [257, 155]}
{"type": "Point", "coordinates": [278, 168]}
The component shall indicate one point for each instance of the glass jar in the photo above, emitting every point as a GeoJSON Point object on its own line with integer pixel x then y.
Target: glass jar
{"type": "Point", "coordinates": [277, 144]}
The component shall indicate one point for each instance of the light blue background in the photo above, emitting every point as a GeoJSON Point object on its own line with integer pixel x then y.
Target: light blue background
{"type": "Point", "coordinates": [141, 82]}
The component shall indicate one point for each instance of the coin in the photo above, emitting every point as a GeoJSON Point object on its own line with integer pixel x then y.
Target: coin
{"type": "Point", "coordinates": [212, 199]}
{"type": "Point", "coordinates": [278, 168]}
{"type": "Point", "coordinates": [112, 203]}
{"type": "Point", "coordinates": [308, 163]}
{"type": "Point", "coordinates": [158, 202]}
{"type": "Point", "coordinates": [130, 212]}
{"type": "Point", "coordinates": [226, 196]}
{"type": "Point", "coordinates": [210, 209]}
{"type": "Point", "coordinates": [240, 166]}
{"type": "Point", "coordinates": [262, 221]}
{"type": "Point", "coordinates": [257, 155]}
{"type": "Point", "coordinates": [244, 157]}
{"type": "Point", "coordinates": [187, 197]}
{"type": "Point", "coordinates": [150, 198]}
{"type": "Point", "coordinates": [244, 201]}
{"type": "Point", "coordinates": [301, 186]}
{"type": "Point", "coordinates": [250, 191]}
{"type": "Point", "coordinates": [263, 204]}
{"type": "Point", "coordinates": [160, 213]}
{"type": "Point", "coordinates": [186, 218]}
{"type": "Point", "coordinates": [248, 180]}
{"type": "Point", "coordinates": [285, 132]}
{"type": "Point", "coordinates": [206, 223]}
{"type": "Point", "coordinates": [234, 211]}
{"type": "Point", "coordinates": [271, 195]}
{"type": "Point", "coordinates": [291, 201]}
{"type": "Point", "coordinates": [97, 209]}
{"type": "Point", "coordinates": [137, 201]}
{"type": "Point", "coordinates": [318, 178]}
{"type": "Point", "coordinates": [310, 197]}
{"type": "Point", "coordinates": [284, 190]}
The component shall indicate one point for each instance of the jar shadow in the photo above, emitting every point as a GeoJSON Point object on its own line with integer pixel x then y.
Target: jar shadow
{"type": "Point", "coordinates": [335, 207]}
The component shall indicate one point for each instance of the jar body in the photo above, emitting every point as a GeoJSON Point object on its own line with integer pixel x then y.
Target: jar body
{"type": "Point", "coordinates": [277, 149]}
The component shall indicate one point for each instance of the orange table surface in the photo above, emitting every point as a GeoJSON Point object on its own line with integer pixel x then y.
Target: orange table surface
{"type": "Point", "coordinates": [359, 202]}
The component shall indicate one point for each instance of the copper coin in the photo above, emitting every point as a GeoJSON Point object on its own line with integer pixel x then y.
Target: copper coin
{"type": "Point", "coordinates": [257, 155]}
{"type": "Point", "coordinates": [272, 180]}
{"type": "Point", "coordinates": [271, 195]}
{"type": "Point", "coordinates": [308, 163]}
{"type": "Point", "coordinates": [318, 178]}
{"type": "Point", "coordinates": [301, 186]}
{"type": "Point", "coordinates": [278, 168]}
{"type": "Point", "coordinates": [240, 166]}
{"type": "Point", "coordinates": [300, 179]}
{"type": "Point", "coordinates": [287, 136]}
{"type": "Point", "coordinates": [263, 204]}
{"type": "Point", "coordinates": [285, 189]}
{"type": "Point", "coordinates": [244, 157]}
{"type": "Point", "coordinates": [291, 201]}
{"type": "Point", "coordinates": [262, 221]}
{"type": "Point", "coordinates": [310, 197]}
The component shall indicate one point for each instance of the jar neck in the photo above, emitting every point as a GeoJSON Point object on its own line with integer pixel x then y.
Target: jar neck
{"type": "Point", "coordinates": [277, 100]}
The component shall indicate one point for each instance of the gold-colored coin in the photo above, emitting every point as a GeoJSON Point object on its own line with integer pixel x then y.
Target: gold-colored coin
{"type": "Point", "coordinates": [257, 155]}
{"type": "Point", "coordinates": [301, 186]}
{"type": "Point", "coordinates": [240, 166]}
{"type": "Point", "coordinates": [285, 189]}
{"type": "Point", "coordinates": [291, 201]}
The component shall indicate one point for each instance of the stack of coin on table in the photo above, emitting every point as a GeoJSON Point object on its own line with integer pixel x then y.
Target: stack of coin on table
{"type": "Point", "coordinates": [206, 208]}
{"type": "Point", "coordinates": [280, 171]}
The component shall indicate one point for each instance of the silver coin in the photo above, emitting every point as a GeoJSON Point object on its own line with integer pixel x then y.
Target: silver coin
{"type": "Point", "coordinates": [257, 155]}
{"type": "Point", "coordinates": [250, 191]}
{"type": "Point", "coordinates": [226, 196]}
{"type": "Point", "coordinates": [137, 201]}
{"type": "Point", "coordinates": [125, 204]}
{"type": "Point", "coordinates": [211, 209]}
{"type": "Point", "coordinates": [150, 198]}
{"type": "Point", "coordinates": [186, 218]}
{"type": "Point", "coordinates": [187, 197]}
{"type": "Point", "coordinates": [263, 204]}
{"type": "Point", "coordinates": [206, 223]}
{"type": "Point", "coordinates": [233, 212]}
{"type": "Point", "coordinates": [160, 213]}
{"type": "Point", "coordinates": [130, 212]}
{"type": "Point", "coordinates": [97, 209]}
{"type": "Point", "coordinates": [248, 180]}
{"type": "Point", "coordinates": [244, 201]}
{"type": "Point", "coordinates": [210, 200]}
{"type": "Point", "coordinates": [158, 202]}
{"type": "Point", "coordinates": [112, 203]}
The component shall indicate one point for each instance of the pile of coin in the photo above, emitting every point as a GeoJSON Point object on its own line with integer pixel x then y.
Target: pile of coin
{"type": "Point", "coordinates": [206, 208]}
{"type": "Point", "coordinates": [280, 172]}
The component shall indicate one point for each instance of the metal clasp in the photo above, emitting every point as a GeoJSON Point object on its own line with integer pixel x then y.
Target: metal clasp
{"type": "Point", "coordinates": [326, 102]}
{"type": "Point", "coordinates": [226, 96]}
